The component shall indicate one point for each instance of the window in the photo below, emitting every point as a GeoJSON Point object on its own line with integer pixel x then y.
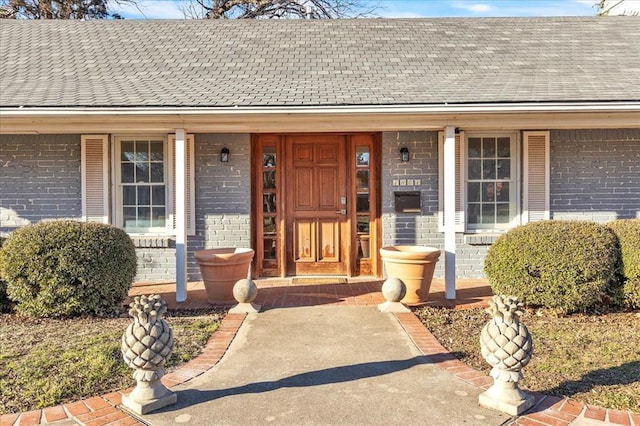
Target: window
{"type": "Point", "coordinates": [490, 182]}
{"type": "Point", "coordinates": [142, 199]}
{"type": "Point", "coordinates": [501, 180]}
{"type": "Point", "coordinates": [141, 185]}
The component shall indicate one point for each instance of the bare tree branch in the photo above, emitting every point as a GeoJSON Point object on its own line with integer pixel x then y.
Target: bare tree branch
{"type": "Point", "coordinates": [59, 9]}
{"type": "Point", "coordinates": [265, 9]}
{"type": "Point", "coordinates": [605, 7]}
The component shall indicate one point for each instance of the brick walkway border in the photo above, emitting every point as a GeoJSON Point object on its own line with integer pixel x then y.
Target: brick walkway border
{"type": "Point", "coordinates": [103, 410]}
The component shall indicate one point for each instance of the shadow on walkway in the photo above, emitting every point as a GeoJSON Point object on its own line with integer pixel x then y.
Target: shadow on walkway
{"type": "Point", "coordinates": [325, 376]}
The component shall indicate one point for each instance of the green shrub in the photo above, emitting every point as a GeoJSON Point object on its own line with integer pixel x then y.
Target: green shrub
{"type": "Point", "coordinates": [5, 304]}
{"type": "Point", "coordinates": [563, 265]}
{"type": "Point", "coordinates": [68, 268]}
{"type": "Point", "coordinates": [628, 233]}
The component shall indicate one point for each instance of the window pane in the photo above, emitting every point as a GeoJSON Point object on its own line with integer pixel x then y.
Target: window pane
{"type": "Point", "coordinates": [269, 225]}
{"type": "Point", "coordinates": [269, 156]}
{"type": "Point", "coordinates": [127, 173]}
{"type": "Point", "coordinates": [363, 224]}
{"type": "Point", "coordinates": [157, 172]}
{"type": "Point", "coordinates": [127, 151]}
{"type": "Point", "coordinates": [488, 213]}
{"type": "Point", "coordinates": [159, 217]}
{"type": "Point", "coordinates": [129, 217]}
{"type": "Point", "coordinates": [362, 180]}
{"type": "Point", "coordinates": [142, 151]}
{"type": "Point", "coordinates": [362, 156]}
{"type": "Point", "coordinates": [362, 203]}
{"type": "Point", "coordinates": [473, 191]}
{"type": "Point", "coordinates": [270, 248]}
{"type": "Point", "coordinates": [502, 215]}
{"type": "Point", "coordinates": [504, 169]}
{"type": "Point", "coordinates": [475, 169]}
{"type": "Point", "coordinates": [142, 172]}
{"type": "Point", "coordinates": [144, 195]}
{"type": "Point", "coordinates": [473, 214]}
{"type": "Point", "coordinates": [144, 216]}
{"type": "Point", "coordinates": [157, 151]}
{"type": "Point", "coordinates": [474, 147]}
{"type": "Point", "coordinates": [504, 147]}
{"type": "Point", "coordinates": [269, 203]}
{"type": "Point", "coordinates": [489, 192]}
{"type": "Point", "coordinates": [129, 195]}
{"type": "Point", "coordinates": [269, 180]}
{"type": "Point", "coordinates": [158, 195]}
{"type": "Point", "coordinates": [502, 191]}
{"type": "Point", "coordinates": [489, 169]}
{"type": "Point", "coordinates": [489, 147]}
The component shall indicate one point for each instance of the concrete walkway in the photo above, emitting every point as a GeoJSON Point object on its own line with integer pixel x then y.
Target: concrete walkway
{"type": "Point", "coordinates": [323, 354]}
{"type": "Point", "coordinates": [325, 365]}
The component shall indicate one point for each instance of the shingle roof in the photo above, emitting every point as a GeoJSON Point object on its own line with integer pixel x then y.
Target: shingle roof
{"type": "Point", "coordinates": [271, 63]}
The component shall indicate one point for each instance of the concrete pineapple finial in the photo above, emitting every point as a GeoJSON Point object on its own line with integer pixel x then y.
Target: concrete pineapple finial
{"type": "Point", "coordinates": [507, 346]}
{"type": "Point", "coordinates": [147, 343]}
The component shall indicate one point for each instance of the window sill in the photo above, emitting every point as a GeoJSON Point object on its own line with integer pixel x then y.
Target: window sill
{"type": "Point", "coordinates": [153, 241]}
{"type": "Point", "coordinates": [481, 239]}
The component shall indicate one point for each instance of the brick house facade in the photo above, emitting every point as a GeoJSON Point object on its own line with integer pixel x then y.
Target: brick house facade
{"type": "Point", "coordinates": [560, 132]}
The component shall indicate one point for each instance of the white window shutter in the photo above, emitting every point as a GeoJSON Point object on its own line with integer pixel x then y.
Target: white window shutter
{"type": "Point", "coordinates": [189, 167]}
{"type": "Point", "coordinates": [94, 151]}
{"type": "Point", "coordinates": [460, 210]}
{"type": "Point", "coordinates": [536, 176]}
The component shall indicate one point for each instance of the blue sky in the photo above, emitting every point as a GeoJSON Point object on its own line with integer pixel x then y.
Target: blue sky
{"type": "Point", "coordinates": [170, 9]}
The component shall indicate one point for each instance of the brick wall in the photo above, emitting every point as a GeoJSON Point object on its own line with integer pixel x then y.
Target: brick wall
{"type": "Point", "coordinates": [223, 195]}
{"type": "Point", "coordinates": [422, 229]}
{"type": "Point", "coordinates": [39, 179]}
{"type": "Point", "coordinates": [595, 174]}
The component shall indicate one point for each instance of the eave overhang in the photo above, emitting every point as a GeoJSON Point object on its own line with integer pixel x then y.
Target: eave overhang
{"type": "Point", "coordinates": [370, 118]}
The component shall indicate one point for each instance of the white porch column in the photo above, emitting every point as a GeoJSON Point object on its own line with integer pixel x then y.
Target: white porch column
{"type": "Point", "coordinates": [450, 212]}
{"type": "Point", "coordinates": [181, 215]}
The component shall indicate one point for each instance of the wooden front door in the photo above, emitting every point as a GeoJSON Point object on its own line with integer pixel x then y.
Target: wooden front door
{"type": "Point", "coordinates": [316, 205]}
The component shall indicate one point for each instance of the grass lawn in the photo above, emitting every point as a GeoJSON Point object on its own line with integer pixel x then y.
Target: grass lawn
{"type": "Point", "coordinates": [45, 362]}
{"type": "Point", "coordinates": [591, 358]}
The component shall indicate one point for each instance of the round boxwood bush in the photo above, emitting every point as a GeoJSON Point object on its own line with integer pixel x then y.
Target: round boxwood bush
{"type": "Point", "coordinates": [68, 268]}
{"type": "Point", "coordinates": [563, 265]}
{"type": "Point", "coordinates": [628, 233]}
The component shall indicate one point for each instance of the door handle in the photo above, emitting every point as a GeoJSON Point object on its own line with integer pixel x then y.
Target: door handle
{"type": "Point", "coordinates": [343, 211]}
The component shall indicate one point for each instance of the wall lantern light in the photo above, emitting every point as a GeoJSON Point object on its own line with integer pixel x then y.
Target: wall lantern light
{"type": "Point", "coordinates": [224, 155]}
{"type": "Point", "coordinates": [404, 154]}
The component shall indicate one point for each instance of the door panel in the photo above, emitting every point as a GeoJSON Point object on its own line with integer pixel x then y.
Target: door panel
{"type": "Point", "coordinates": [327, 187]}
{"type": "Point", "coordinates": [303, 188]}
{"type": "Point", "coordinates": [329, 241]}
{"type": "Point", "coordinates": [304, 240]}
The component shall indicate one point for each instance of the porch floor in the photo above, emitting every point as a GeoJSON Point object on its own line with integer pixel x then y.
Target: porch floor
{"type": "Point", "coordinates": [282, 293]}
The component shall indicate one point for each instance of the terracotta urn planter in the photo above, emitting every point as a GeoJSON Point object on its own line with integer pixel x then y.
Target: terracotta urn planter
{"type": "Point", "coordinates": [414, 265]}
{"type": "Point", "coordinates": [221, 268]}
